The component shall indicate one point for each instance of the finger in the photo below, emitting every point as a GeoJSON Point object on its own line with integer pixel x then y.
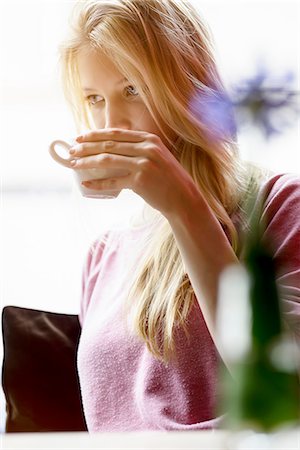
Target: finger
{"type": "Point", "coordinates": [113, 147]}
{"type": "Point", "coordinates": [112, 134]}
{"type": "Point", "coordinates": [107, 161]}
{"type": "Point", "coordinates": [111, 184]}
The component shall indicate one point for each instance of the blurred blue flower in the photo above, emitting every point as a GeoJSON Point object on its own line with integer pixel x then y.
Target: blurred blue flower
{"type": "Point", "coordinates": [215, 112]}
{"type": "Point", "coordinates": [269, 104]}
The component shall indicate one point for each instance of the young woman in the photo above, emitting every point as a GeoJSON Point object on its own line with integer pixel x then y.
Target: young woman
{"type": "Point", "coordinates": [136, 73]}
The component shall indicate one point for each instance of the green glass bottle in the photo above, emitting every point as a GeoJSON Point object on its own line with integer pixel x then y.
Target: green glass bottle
{"type": "Point", "coordinates": [263, 391]}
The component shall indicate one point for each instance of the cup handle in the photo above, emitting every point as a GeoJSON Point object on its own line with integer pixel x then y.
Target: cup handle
{"type": "Point", "coordinates": [55, 156]}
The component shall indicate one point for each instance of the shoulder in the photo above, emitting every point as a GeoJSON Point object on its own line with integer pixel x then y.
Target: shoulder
{"type": "Point", "coordinates": [281, 214]}
{"type": "Point", "coordinates": [282, 185]}
{"type": "Point", "coordinates": [96, 251]}
{"type": "Point", "coordinates": [266, 193]}
{"type": "Point", "coordinates": [91, 269]}
{"type": "Point", "coordinates": [274, 202]}
{"type": "Point", "coordinates": [281, 219]}
{"type": "Point", "coordinates": [281, 194]}
{"type": "Point", "coordinates": [115, 241]}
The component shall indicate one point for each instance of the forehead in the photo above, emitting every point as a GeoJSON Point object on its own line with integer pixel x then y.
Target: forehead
{"type": "Point", "coordinates": [95, 69]}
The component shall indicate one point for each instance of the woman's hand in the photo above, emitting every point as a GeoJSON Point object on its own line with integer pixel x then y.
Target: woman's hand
{"type": "Point", "coordinates": [153, 171]}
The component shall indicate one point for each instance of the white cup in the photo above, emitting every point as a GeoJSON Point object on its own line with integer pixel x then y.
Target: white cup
{"type": "Point", "coordinates": [86, 174]}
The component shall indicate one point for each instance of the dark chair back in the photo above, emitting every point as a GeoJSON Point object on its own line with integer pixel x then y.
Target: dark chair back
{"type": "Point", "coordinates": [39, 373]}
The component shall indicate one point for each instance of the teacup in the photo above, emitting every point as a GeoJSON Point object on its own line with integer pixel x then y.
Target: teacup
{"type": "Point", "coordinates": [86, 174]}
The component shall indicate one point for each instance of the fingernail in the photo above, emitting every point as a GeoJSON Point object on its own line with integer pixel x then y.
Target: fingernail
{"type": "Point", "coordinates": [79, 138]}
{"type": "Point", "coordinates": [71, 151]}
{"type": "Point", "coordinates": [73, 162]}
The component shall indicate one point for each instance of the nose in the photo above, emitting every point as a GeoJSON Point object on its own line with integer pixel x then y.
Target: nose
{"type": "Point", "coordinates": [116, 117]}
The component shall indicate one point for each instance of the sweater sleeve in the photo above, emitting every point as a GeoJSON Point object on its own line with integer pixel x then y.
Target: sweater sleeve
{"type": "Point", "coordinates": [281, 214]}
{"type": "Point", "coordinates": [90, 273]}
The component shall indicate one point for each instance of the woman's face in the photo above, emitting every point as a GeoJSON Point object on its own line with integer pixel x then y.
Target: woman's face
{"type": "Point", "coordinates": [114, 102]}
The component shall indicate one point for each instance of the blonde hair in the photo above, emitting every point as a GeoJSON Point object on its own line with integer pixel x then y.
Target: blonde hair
{"type": "Point", "coordinates": [164, 48]}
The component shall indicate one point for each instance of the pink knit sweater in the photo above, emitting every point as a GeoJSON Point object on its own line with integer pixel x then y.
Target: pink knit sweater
{"type": "Point", "coordinates": [124, 388]}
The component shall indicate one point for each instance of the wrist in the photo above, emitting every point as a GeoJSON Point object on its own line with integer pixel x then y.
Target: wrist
{"type": "Point", "coordinates": [187, 209]}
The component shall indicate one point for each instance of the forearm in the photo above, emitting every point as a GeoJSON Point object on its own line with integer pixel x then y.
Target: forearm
{"type": "Point", "coordinates": [205, 251]}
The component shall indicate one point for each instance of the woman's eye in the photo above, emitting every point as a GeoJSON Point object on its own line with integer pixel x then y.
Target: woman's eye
{"type": "Point", "coordinates": [93, 99]}
{"type": "Point", "coordinates": [131, 91]}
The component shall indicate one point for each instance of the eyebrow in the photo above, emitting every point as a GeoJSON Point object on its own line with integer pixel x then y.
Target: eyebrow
{"type": "Point", "coordinates": [88, 89]}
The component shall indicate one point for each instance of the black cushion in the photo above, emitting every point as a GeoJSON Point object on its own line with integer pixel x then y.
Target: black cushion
{"type": "Point", "coordinates": [39, 374]}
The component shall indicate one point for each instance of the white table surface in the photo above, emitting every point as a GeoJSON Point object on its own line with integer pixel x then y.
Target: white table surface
{"type": "Point", "coordinates": [206, 440]}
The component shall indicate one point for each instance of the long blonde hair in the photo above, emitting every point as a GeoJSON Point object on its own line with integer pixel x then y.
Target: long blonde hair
{"type": "Point", "coordinates": [164, 48]}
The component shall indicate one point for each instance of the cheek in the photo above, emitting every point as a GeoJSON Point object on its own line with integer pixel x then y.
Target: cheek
{"type": "Point", "coordinates": [150, 126]}
{"type": "Point", "coordinates": [145, 122]}
{"type": "Point", "coordinates": [98, 119]}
